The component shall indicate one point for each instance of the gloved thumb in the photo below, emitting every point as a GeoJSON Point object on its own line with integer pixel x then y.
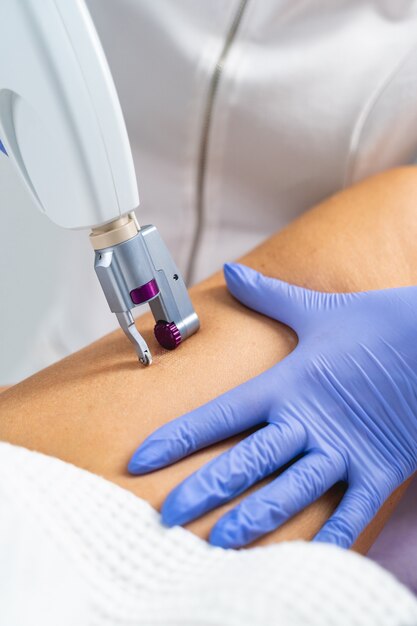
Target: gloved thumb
{"type": "Point", "coordinates": [275, 298]}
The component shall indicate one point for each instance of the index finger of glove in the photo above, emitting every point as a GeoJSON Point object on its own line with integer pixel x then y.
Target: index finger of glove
{"type": "Point", "coordinates": [231, 413]}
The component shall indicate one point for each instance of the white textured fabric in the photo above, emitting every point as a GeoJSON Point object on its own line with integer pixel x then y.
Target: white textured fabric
{"type": "Point", "coordinates": [312, 96]}
{"type": "Point", "coordinates": [77, 550]}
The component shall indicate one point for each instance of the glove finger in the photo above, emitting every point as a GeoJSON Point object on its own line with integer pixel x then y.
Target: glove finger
{"type": "Point", "coordinates": [271, 506]}
{"type": "Point", "coordinates": [233, 472]}
{"type": "Point", "coordinates": [231, 413]}
{"type": "Point", "coordinates": [272, 297]}
{"type": "Point", "coordinates": [353, 514]}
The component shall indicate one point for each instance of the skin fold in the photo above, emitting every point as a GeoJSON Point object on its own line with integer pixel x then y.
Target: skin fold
{"type": "Point", "coordinates": [95, 407]}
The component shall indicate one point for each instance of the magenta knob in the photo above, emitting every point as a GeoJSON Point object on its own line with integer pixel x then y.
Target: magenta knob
{"type": "Point", "coordinates": [167, 334]}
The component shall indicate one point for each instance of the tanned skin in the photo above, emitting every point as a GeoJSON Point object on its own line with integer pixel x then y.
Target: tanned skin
{"type": "Point", "coordinates": [95, 407]}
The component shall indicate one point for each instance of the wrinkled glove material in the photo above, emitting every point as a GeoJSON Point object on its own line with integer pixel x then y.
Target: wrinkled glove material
{"type": "Point", "coordinates": [343, 404]}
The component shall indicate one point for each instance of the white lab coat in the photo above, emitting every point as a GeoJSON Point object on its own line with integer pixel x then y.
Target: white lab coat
{"type": "Point", "coordinates": [311, 96]}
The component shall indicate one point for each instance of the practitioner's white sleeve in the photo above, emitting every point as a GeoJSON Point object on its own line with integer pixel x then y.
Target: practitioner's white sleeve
{"type": "Point", "coordinates": [76, 549]}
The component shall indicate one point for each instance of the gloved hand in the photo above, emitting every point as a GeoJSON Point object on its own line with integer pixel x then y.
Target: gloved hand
{"type": "Point", "coordinates": [345, 399]}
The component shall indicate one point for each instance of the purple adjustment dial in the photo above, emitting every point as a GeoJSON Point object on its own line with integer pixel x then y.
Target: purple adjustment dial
{"type": "Point", "coordinates": [145, 293]}
{"type": "Point", "coordinates": [167, 334]}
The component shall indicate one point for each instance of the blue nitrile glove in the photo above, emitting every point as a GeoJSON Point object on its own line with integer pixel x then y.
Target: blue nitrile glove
{"type": "Point", "coordinates": [345, 398]}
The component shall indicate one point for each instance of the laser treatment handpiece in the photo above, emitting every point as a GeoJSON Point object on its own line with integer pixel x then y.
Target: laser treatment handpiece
{"type": "Point", "coordinates": [62, 127]}
{"type": "Point", "coordinates": [134, 266]}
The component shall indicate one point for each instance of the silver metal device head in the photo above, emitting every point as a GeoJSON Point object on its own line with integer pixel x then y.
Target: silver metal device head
{"type": "Point", "coordinates": [135, 267]}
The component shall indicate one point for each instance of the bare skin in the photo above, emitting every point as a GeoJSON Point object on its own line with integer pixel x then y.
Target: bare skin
{"type": "Point", "coordinates": [95, 407]}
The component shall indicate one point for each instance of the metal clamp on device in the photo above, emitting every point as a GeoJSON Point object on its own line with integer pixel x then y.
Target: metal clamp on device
{"type": "Point", "coordinates": [134, 267]}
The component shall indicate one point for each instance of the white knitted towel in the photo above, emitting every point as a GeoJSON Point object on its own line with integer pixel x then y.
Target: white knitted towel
{"type": "Point", "coordinates": [76, 550]}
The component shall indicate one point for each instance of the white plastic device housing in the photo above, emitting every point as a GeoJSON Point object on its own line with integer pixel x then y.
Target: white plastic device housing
{"type": "Point", "coordinates": [60, 116]}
